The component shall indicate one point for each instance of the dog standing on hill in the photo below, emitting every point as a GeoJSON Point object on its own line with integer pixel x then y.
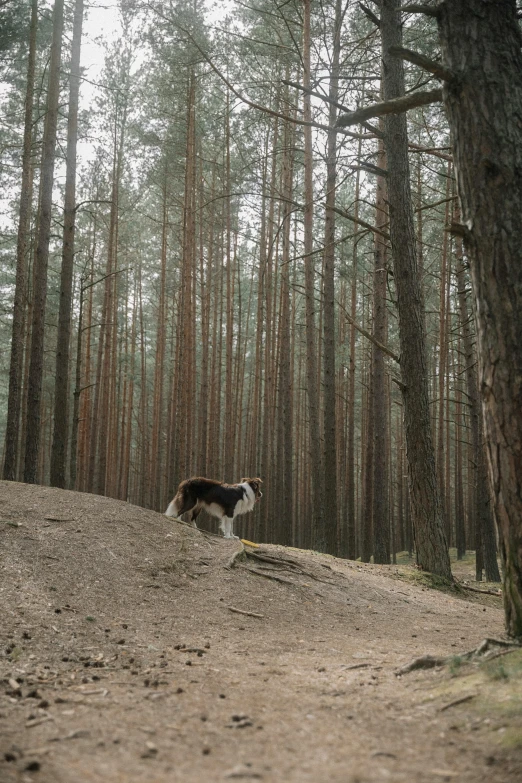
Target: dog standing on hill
{"type": "Point", "coordinates": [224, 501]}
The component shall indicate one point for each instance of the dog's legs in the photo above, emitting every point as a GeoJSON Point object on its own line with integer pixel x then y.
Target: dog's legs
{"type": "Point", "coordinates": [226, 527]}
{"type": "Point", "coordinates": [193, 515]}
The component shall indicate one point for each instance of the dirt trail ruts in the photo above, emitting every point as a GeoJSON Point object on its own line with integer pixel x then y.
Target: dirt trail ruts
{"type": "Point", "coordinates": [123, 658]}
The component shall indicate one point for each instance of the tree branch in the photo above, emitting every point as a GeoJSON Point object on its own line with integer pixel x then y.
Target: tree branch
{"type": "Point", "coordinates": [420, 8]}
{"type": "Point", "coordinates": [360, 222]}
{"type": "Point", "coordinates": [369, 13]}
{"type": "Point", "coordinates": [432, 66]}
{"type": "Point", "coordinates": [370, 337]}
{"type": "Point", "coordinates": [371, 169]}
{"type": "Point", "coordinates": [239, 95]}
{"type": "Point", "coordinates": [340, 106]}
{"type": "Point", "coordinates": [394, 106]}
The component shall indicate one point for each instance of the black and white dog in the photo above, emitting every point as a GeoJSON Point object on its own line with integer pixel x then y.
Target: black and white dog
{"type": "Point", "coordinates": [224, 501]}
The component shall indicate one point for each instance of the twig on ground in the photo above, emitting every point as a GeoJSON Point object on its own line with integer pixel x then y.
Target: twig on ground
{"type": "Point", "coordinates": [242, 611]}
{"type": "Point", "coordinates": [454, 703]}
{"type": "Point", "coordinates": [357, 666]}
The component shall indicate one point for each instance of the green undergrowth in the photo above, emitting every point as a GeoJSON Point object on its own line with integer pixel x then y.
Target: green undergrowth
{"type": "Point", "coordinates": [484, 696]}
{"type": "Point", "coordinates": [464, 578]}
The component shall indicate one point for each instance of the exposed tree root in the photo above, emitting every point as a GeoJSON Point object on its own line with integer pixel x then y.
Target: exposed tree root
{"type": "Point", "coordinates": [430, 661]}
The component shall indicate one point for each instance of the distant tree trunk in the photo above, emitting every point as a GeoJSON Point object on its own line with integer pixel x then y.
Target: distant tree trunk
{"type": "Point", "coordinates": [431, 548]}
{"type": "Point", "coordinates": [61, 389]}
{"type": "Point", "coordinates": [443, 358]}
{"type": "Point", "coordinates": [286, 385]}
{"type": "Point", "coordinates": [267, 255]}
{"type": "Point", "coordinates": [316, 460]}
{"type": "Point", "coordinates": [14, 400]}
{"type": "Point", "coordinates": [460, 527]}
{"type": "Point", "coordinates": [34, 393]}
{"type": "Point", "coordinates": [229, 441]}
{"type": "Point", "coordinates": [330, 535]}
{"type": "Point", "coordinates": [366, 538]}
{"type": "Point", "coordinates": [159, 361]}
{"type": "Point", "coordinates": [485, 538]}
{"type": "Point", "coordinates": [351, 509]}
{"type": "Point", "coordinates": [76, 393]}
{"type": "Point", "coordinates": [379, 412]}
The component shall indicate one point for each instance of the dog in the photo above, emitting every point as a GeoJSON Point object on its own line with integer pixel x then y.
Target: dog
{"type": "Point", "coordinates": [224, 501]}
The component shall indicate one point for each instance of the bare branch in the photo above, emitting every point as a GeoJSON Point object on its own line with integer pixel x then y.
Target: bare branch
{"type": "Point", "coordinates": [432, 66]}
{"type": "Point", "coordinates": [360, 222]}
{"type": "Point", "coordinates": [394, 106]}
{"type": "Point", "coordinates": [325, 98]}
{"type": "Point", "coordinates": [369, 13]}
{"type": "Point", "coordinates": [430, 151]}
{"type": "Point", "coordinates": [371, 338]}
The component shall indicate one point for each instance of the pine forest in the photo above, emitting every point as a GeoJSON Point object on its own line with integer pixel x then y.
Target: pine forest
{"type": "Point", "coordinates": [225, 253]}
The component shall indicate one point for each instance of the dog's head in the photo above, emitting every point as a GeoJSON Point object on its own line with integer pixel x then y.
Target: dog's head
{"type": "Point", "coordinates": [255, 483]}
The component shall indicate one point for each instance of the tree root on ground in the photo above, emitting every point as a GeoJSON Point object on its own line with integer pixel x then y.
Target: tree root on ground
{"type": "Point", "coordinates": [485, 647]}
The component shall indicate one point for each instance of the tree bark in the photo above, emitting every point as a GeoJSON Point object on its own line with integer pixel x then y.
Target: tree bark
{"type": "Point", "coordinates": [380, 503]}
{"type": "Point", "coordinates": [61, 389]}
{"type": "Point", "coordinates": [330, 533]}
{"type": "Point", "coordinates": [481, 46]}
{"type": "Point", "coordinates": [14, 400]}
{"type": "Point", "coordinates": [310, 305]}
{"type": "Point", "coordinates": [484, 526]}
{"type": "Point", "coordinates": [426, 507]}
{"type": "Point", "coordinates": [34, 392]}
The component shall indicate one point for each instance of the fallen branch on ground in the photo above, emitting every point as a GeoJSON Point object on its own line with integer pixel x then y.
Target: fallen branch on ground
{"type": "Point", "coordinates": [462, 700]}
{"type": "Point", "coordinates": [242, 611]}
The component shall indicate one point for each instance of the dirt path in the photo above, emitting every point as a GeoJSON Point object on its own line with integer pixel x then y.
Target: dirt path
{"type": "Point", "coordinates": [123, 660]}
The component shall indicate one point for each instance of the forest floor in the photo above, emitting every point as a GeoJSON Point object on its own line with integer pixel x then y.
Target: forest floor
{"type": "Point", "coordinates": [125, 656]}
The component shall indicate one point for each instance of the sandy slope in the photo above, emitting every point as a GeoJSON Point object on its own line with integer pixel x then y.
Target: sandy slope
{"type": "Point", "coordinates": [122, 660]}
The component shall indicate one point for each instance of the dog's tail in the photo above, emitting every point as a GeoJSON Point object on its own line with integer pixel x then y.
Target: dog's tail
{"type": "Point", "coordinates": [177, 503]}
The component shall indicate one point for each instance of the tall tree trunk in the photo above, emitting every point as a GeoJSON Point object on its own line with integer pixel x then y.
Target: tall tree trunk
{"type": "Point", "coordinates": [159, 360]}
{"type": "Point", "coordinates": [431, 548]}
{"type": "Point", "coordinates": [481, 47]}
{"type": "Point", "coordinates": [61, 389]}
{"type": "Point", "coordinates": [286, 385]}
{"type": "Point", "coordinates": [443, 358]}
{"type": "Point", "coordinates": [329, 535]}
{"type": "Point", "coordinates": [14, 400]}
{"type": "Point", "coordinates": [351, 508]}
{"type": "Point", "coordinates": [34, 392]}
{"type": "Point", "coordinates": [379, 413]}
{"type": "Point", "coordinates": [310, 305]}
{"type": "Point", "coordinates": [484, 526]}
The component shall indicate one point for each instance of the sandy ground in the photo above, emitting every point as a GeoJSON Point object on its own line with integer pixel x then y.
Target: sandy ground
{"type": "Point", "coordinates": [126, 656]}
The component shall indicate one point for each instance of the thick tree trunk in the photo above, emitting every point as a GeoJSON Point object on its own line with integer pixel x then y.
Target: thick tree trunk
{"type": "Point", "coordinates": [12, 431]}
{"type": "Point", "coordinates": [426, 506]}
{"type": "Point", "coordinates": [481, 46]}
{"type": "Point", "coordinates": [61, 391]}
{"type": "Point", "coordinates": [34, 392]}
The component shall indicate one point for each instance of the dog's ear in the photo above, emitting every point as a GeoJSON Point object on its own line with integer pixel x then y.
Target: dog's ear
{"type": "Point", "coordinates": [255, 483]}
